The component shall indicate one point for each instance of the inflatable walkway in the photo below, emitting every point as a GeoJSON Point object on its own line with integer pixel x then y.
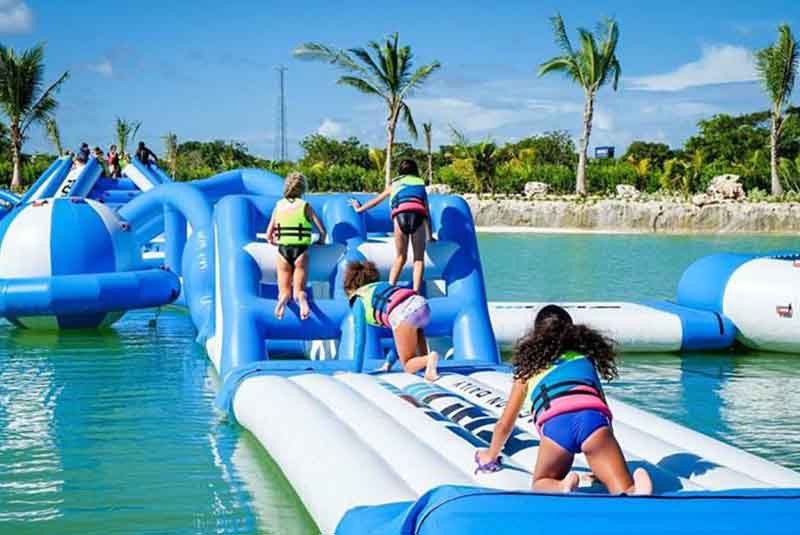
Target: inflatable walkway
{"type": "Point", "coordinates": [392, 453]}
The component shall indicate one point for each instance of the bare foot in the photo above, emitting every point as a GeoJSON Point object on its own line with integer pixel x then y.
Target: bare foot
{"type": "Point", "coordinates": [569, 483]}
{"type": "Point", "coordinates": [280, 308]}
{"type": "Point", "coordinates": [430, 368]}
{"type": "Point", "coordinates": [384, 367]}
{"type": "Point", "coordinates": [642, 484]}
{"type": "Point", "coordinates": [305, 312]}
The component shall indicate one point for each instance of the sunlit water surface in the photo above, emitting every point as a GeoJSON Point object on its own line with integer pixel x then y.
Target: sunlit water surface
{"type": "Point", "coordinates": [116, 432]}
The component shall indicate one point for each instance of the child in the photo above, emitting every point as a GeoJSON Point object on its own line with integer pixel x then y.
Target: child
{"type": "Point", "coordinates": [411, 216]}
{"type": "Point", "coordinates": [400, 309]}
{"type": "Point", "coordinates": [290, 229]}
{"type": "Point", "coordinates": [556, 369]}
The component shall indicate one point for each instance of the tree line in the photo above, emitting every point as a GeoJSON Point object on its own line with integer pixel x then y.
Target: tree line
{"type": "Point", "coordinates": [755, 146]}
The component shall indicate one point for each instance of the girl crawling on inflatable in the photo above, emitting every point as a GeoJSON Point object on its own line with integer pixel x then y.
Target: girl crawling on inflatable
{"type": "Point", "coordinates": [400, 309]}
{"type": "Point", "coordinates": [557, 371]}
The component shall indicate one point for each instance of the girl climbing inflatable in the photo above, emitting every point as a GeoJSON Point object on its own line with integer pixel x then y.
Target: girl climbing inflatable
{"type": "Point", "coordinates": [410, 213]}
{"type": "Point", "coordinates": [402, 310]}
{"type": "Point", "coordinates": [557, 370]}
{"type": "Point", "coordinates": [290, 229]}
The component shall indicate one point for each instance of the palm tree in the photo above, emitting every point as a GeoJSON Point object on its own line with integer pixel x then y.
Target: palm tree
{"type": "Point", "coordinates": [378, 158]}
{"type": "Point", "coordinates": [54, 134]}
{"type": "Point", "coordinates": [777, 65]}
{"type": "Point", "coordinates": [23, 99]}
{"type": "Point", "coordinates": [591, 66]}
{"type": "Point", "coordinates": [427, 130]}
{"type": "Point", "coordinates": [482, 158]}
{"type": "Point", "coordinates": [171, 153]}
{"type": "Point", "coordinates": [126, 131]}
{"type": "Point", "coordinates": [383, 70]}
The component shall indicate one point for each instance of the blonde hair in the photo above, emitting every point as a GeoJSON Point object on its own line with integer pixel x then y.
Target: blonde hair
{"type": "Point", "coordinates": [294, 186]}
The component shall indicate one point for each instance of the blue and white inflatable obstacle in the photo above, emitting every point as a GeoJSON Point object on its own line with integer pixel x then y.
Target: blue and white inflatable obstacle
{"type": "Point", "coordinates": [759, 293]}
{"type": "Point", "coordinates": [646, 327]}
{"type": "Point", "coordinates": [392, 453]}
{"type": "Point", "coordinates": [73, 263]}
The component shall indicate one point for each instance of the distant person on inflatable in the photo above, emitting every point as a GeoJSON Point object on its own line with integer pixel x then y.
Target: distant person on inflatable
{"type": "Point", "coordinates": [83, 153]}
{"type": "Point", "coordinates": [145, 155]}
{"type": "Point", "coordinates": [290, 229]}
{"type": "Point", "coordinates": [557, 370]}
{"type": "Point", "coordinates": [112, 161]}
{"type": "Point", "coordinates": [411, 215]}
{"type": "Point", "coordinates": [402, 310]}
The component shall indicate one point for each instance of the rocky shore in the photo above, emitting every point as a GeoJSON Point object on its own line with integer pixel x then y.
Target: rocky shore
{"type": "Point", "coordinates": [626, 215]}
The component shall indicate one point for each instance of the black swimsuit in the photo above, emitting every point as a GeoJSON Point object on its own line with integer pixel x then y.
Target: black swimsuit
{"type": "Point", "coordinates": [409, 222]}
{"type": "Point", "coordinates": [291, 253]}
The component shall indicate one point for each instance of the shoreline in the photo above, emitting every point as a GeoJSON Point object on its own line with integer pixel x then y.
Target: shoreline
{"type": "Point", "coordinates": [504, 229]}
{"type": "Point", "coordinates": [620, 216]}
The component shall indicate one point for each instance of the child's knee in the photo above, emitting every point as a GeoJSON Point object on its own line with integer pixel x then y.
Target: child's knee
{"type": "Point", "coordinates": [401, 259]}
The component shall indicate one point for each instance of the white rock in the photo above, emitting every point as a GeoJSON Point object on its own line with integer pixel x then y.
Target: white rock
{"type": "Point", "coordinates": [439, 189]}
{"type": "Point", "coordinates": [626, 191]}
{"type": "Point", "coordinates": [533, 189]}
{"type": "Point", "coordinates": [726, 187]}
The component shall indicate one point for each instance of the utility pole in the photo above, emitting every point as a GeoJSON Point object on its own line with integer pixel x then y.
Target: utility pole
{"type": "Point", "coordinates": [280, 142]}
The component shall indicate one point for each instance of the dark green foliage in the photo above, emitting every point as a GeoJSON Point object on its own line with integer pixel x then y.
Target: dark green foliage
{"type": "Point", "coordinates": [320, 149]}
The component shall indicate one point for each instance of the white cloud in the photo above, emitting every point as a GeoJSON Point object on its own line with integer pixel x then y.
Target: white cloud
{"type": "Point", "coordinates": [330, 128]}
{"type": "Point", "coordinates": [603, 120]}
{"type": "Point", "coordinates": [15, 17]}
{"type": "Point", "coordinates": [719, 64]}
{"type": "Point", "coordinates": [103, 68]}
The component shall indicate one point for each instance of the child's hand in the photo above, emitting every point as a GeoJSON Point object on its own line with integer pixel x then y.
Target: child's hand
{"type": "Point", "coordinates": [356, 205]}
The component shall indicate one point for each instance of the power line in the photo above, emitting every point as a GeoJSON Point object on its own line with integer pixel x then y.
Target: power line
{"type": "Point", "coordinates": [280, 142]}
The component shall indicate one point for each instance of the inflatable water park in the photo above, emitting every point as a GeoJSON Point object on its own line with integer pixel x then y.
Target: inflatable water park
{"type": "Point", "coordinates": [388, 452]}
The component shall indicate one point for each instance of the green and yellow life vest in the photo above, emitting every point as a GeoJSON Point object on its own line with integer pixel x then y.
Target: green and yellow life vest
{"type": "Point", "coordinates": [379, 299]}
{"type": "Point", "coordinates": [292, 226]}
{"type": "Point", "coordinates": [408, 195]}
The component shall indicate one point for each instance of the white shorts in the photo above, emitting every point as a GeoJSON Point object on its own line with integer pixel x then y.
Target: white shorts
{"type": "Point", "coordinates": [414, 309]}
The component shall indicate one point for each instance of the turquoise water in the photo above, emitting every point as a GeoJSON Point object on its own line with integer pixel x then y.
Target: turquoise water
{"type": "Point", "coordinates": [116, 432]}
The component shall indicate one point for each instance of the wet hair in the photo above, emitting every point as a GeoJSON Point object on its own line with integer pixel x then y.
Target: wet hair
{"type": "Point", "coordinates": [141, 144]}
{"type": "Point", "coordinates": [294, 186]}
{"type": "Point", "coordinates": [360, 274]}
{"type": "Point", "coordinates": [112, 147]}
{"type": "Point", "coordinates": [408, 167]}
{"type": "Point", "coordinates": [553, 335]}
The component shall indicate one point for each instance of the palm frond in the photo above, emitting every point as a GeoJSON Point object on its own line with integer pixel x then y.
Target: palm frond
{"type": "Point", "coordinates": [375, 72]}
{"type": "Point", "coordinates": [334, 56]}
{"type": "Point", "coordinates": [777, 66]}
{"type": "Point", "coordinates": [560, 33]}
{"type": "Point", "coordinates": [408, 119]}
{"type": "Point", "coordinates": [418, 78]}
{"type": "Point", "coordinates": [46, 103]}
{"type": "Point", "coordinates": [588, 59]}
{"type": "Point", "coordinates": [562, 64]}
{"type": "Point", "coordinates": [362, 85]}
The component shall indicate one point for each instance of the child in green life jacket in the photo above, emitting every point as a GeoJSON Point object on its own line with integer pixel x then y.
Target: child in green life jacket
{"type": "Point", "coordinates": [290, 229]}
{"type": "Point", "coordinates": [402, 310]}
{"type": "Point", "coordinates": [411, 219]}
{"type": "Point", "coordinates": [557, 370]}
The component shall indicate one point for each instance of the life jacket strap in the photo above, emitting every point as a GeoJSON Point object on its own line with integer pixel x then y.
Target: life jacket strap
{"type": "Point", "coordinates": [299, 231]}
{"type": "Point", "coordinates": [546, 397]}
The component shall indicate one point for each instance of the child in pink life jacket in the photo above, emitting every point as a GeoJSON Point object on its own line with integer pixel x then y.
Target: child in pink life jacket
{"type": "Point", "coordinates": [401, 309]}
{"type": "Point", "coordinates": [411, 219]}
{"type": "Point", "coordinates": [557, 370]}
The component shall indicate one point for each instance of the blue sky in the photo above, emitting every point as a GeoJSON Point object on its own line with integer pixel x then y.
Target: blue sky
{"type": "Point", "coordinates": [205, 69]}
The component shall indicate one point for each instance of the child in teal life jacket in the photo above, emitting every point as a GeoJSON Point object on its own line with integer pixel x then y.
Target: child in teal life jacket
{"type": "Point", "coordinates": [402, 310]}
{"type": "Point", "coordinates": [290, 229]}
{"type": "Point", "coordinates": [411, 219]}
{"type": "Point", "coordinates": [557, 370]}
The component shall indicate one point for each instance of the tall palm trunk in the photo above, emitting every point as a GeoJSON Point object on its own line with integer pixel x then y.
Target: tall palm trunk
{"type": "Point", "coordinates": [776, 187]}
{"type": "Point", "coordinates": [588, 112]}
{"type": "Point", "coordinates": [430, 164]}
{"type": "Point", "coordinates": [391, 126]}
{"type": "Point", "coordinates": [16, 155]}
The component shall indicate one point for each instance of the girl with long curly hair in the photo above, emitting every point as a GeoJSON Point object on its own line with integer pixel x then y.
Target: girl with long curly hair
{"type": "Point", "coordinates": [557, 372]}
